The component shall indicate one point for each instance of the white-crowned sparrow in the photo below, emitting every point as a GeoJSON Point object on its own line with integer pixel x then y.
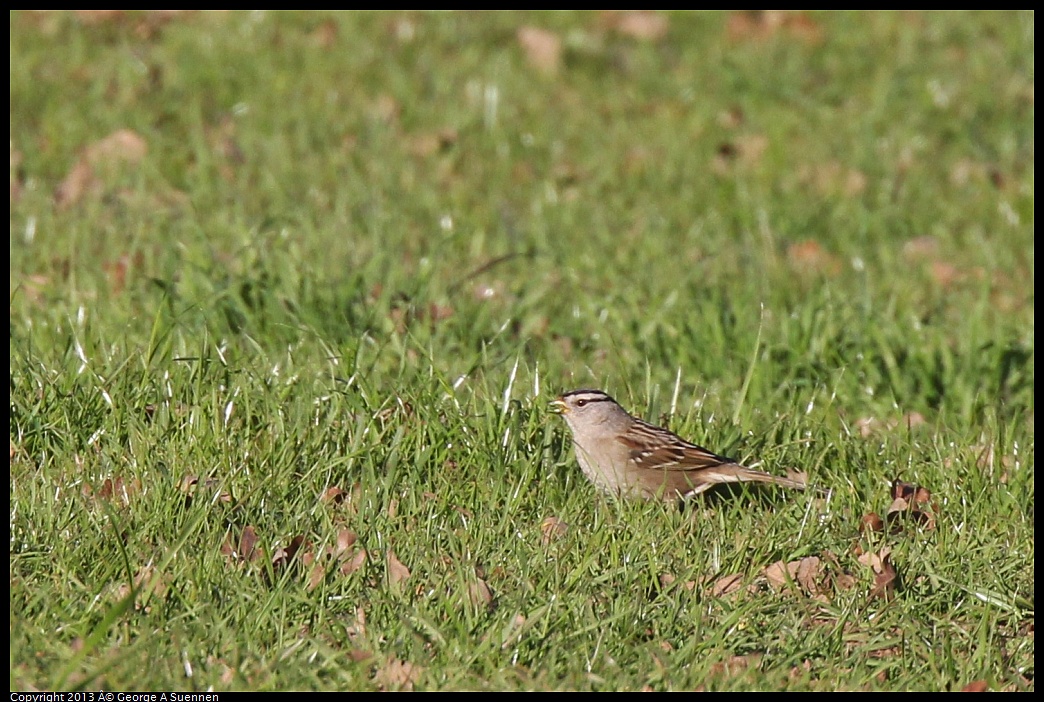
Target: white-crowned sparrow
{"type": "Point", "coordinates": [621, 454]}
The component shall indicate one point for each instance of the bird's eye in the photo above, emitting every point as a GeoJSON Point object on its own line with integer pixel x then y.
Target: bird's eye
{"type": "Point", "coordinates": [581, 403]}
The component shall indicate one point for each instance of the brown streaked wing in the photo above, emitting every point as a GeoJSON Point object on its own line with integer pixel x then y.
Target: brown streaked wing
{"type": "Point", "coordinates": [655, 448]}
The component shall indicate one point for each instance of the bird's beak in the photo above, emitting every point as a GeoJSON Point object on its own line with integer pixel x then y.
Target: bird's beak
{"type": "Point", "coordinates": [558, 406]}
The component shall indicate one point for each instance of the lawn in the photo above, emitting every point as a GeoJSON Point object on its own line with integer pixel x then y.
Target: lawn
{"type": "Point", "coordinates": [290, 294]}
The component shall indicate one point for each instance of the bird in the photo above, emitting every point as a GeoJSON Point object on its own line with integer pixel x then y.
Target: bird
{"type": "Point", "coordinates": [624, 455]}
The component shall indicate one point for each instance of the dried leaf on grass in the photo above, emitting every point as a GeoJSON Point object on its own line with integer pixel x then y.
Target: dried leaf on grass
{"type": "Point", "coordinates": [920, 248]}
{"type": "Point", "coordinates": [647, 25]}
{"type": "Point", "coordinates": [871, 522]}
{"type": "Point", "coordinates": [193, 486]}
{"type": "Point", "coordinates": [355, 563]}
{"type": "Point", "coordinates": [385, 108]}
{"type": "Point", "coordinates": [116, 270]}
{"type": "Point", "coordinates": [397, 675]}
{"type": "Point", "coordinates": [543, 49]}
{"type": "Point", "coordinates": [244, 549]}
{"type": "Point", "coordinates": [120, 490]}
{"type": "Point", "coordinates": [833, 178]}
{"type": "Point", "coordinates": [479, 594]}
{"type": "Point", "coordinates": [885, 575]}
{"type": "Point", "coordinates": [347, 498]}
{"type": "Point", "coordinates": [552, 529]}
{"type": "Point", "coordinates": [668, 579]}
{"type": "Point", "coordinates": [325, 34]}
{"type": "Point", "coordinates": [868, 426]}
{"type": "Point", "coordinates": [727, 585]}
{"type": "Point", "coordinates": [283, 557]}
{"type": "Point", "coordinates": [339, 557]}
{"type": "Point", "coordinates": [810, 257]}
{"type": "Point", "coordinates": [121, 148]}
{"type": "Point", "coordinates": [426, 144]}
{"type": "Point", "coordinates": [760, 25]}
{"type": "Point", "coordinates": [145, 24]}
{"type": "Point", "coordinates": [397, 572]}
{"type": "Point", "coordinates": [913, 503]}
{"type": "Point", "coordinates": [356, 630]}
{"type": "Point", "coordinates": [745, 150]}
{"type": "Point", "coordinates": [734, 665]}
{"type": "Point", "coordinates": [805, 573]}
{"type": "Point", "coordinates": [148, 582]}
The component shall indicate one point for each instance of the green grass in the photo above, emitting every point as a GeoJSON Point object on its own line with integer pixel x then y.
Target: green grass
{"type": "Point", "coordinates": [364, 251]}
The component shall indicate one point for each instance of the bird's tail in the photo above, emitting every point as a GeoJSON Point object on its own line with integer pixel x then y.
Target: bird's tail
{"type": "Point", "coordinates": [736, 473]}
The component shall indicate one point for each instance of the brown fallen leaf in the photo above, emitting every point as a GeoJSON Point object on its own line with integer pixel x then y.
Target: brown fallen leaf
{"type": "Point", "coordinates": [192, 486]}
{"type": "Point", "coordinates": [283, 557]}
{"type": "Point", "coordinates": [543, 49]}
{"type": "Point", "coordinates": [385, 108]}
{"type": "Point", "coordinates": [638, 24]}
{"type": "Point", "coordinates": [867, 426]}
{"type": "Point", "coordinates": [437, 313]}
{"type": "Point", "coordinates": [885, 574]}
{"type": "Point", "coordinates": [668, 579]}
{"type": "Point", "coordinates": [912, 502]}
{"type": "Point", "coordinates": [913, 419]}
{"type": "Point", "coordinates": [479, 594]}
{"type": "Point", "coordinates": [357, 628]}
{"type": "Point", "coordinates": [871, 522]}
{"type": "Point", "coordinates": [355, 563]}
{"type": "Point", "coordinates": [324, 35]}
{"type": "Point", "coordinates": [359, 655]}
{"type": "Point", "coordinates": [760, 25]}
{"type": "Point", "coordinates": [350, 499]}
{"type": "Point", "coordinates": [910, 491]}
{"type": "Point", "coordinates": [885, 582]}
{"type": "Point", "coordinates": [152, 584]}
{"type": "Point", "coordinates": [552, 529]}
{"type": "Point", "coordinates": [335, 495]}
{"type": "Point", "coordinates": [810, 257]}
{"type": "Point", "coordinates": [844, 581]}
{"type": "Point", "coordinates": [727, 585]}
{"type": "Point", "coordinates": [804, 572]}
{"type": "Point", "coordinates": [317, 572]}
{"type": "Point", "coordinates": [944, 273]}
{"type": "Point", "coordinates": [921, 248]}
{"type": "Point", "coordinates": [976, 686]}
{"type": "Point", "coordinates": [397, 572]}
{"type": "Point", "coordinates": [116, 271]}
{"type": "Point", "coordinates": [734, 665]}
{"type": "Point", "coordinates": [346, 538]}
{"type": "Point", "coordinates": [117, 489]}
{"type": "Point", "coordinates": [428, 144]}
{"type": "Point", "coordinates": [243, 550]}
{"type": "Point", "coordinates": [340, 557]}
{"type": "Point", "coordinates": [248, 549]}
{"type": "Point", "coordinates": [397, 675]}
{"type": "Point", "coordinates": [732, 117]}
{"type": "Point", "coordinates": [90, 17]}
{"type": "Point", "coordinates": [832, 178]}
{"type": "Point", "coordinates": [75, 185]}
{"type": "Point", "coordinates": [969, 172]}
{"type": "Point", "coordinates": [122, 147]}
